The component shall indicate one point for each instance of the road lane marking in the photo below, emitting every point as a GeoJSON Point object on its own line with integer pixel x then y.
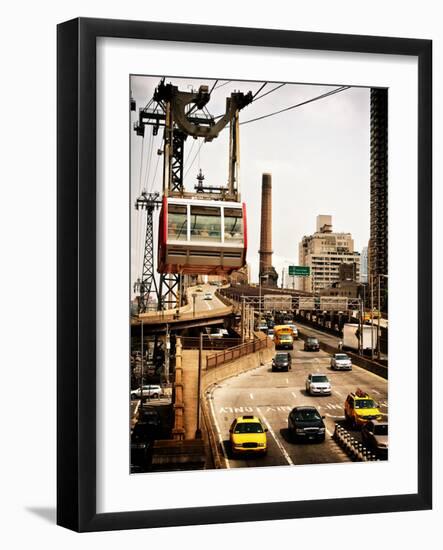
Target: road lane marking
{"type": "Point", "coordinates": [287, 381]}
{"type": "Point", "coordinates": [295, 397]}
{"type": "Point", "coordinates": [375, 391]}
{"type": "Point", "coordinates": [338, 393]}
{"type": "Point", "coordinates": [280, 446]}
{"type": "Point", "coordinates": [251, 396]}
{"type": "Point", "coordinates": [220, 438]}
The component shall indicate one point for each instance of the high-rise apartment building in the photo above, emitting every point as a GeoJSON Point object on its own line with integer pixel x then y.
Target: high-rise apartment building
{"type": "Point", "coordinates": [324, 252]}
{"type": "Point", "coordinates": [378, 243]}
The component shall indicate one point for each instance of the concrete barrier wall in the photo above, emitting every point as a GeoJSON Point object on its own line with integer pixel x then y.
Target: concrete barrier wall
{"type": "Point", "coordinates": [243, 364]}
{"type": "Point", "coordinates": [223, 299]}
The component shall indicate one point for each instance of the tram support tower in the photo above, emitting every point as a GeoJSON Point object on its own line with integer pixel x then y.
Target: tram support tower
{"type": "Point", "coordinates": [147, 285]}
{"type": "Point", "coordinates": [183, 114]}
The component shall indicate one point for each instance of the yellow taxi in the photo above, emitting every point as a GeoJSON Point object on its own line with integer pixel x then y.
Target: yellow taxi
{"type": "Point", "coordinates": [360, 408]}
{"type": "Point", "coordinates": [248, 435]}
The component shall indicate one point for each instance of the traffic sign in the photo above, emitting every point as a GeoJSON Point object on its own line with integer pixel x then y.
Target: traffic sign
{"type": "Point", "coordinates": [299, 271]}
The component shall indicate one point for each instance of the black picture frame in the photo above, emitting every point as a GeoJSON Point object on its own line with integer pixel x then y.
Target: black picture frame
{"type": "Point", "coordinates": [76, 280]}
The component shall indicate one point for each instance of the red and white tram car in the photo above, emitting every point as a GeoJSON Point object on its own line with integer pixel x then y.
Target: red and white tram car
{"type": "Point", "coordinates": [201, 236]}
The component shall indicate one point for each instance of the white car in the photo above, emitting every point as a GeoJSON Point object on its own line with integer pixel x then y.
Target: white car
{"type": "Point", "coordinates": [208, 296]}
{"type": "Point", "coordinates": [148, 391]}
{"type": "Point", "coordinates": [341, 361]}
{"type": "Point", "coordinates": [294, 330]}
{"type": "Point", "coordinates": [318, 384]}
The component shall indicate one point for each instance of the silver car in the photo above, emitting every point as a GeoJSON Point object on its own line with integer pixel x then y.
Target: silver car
{"type": "Point", "coordinates": [148, 391]}
{"type": "Point", "coordinates": [318, 384]}
{"type": "Point", "coordinates": [341, 361]}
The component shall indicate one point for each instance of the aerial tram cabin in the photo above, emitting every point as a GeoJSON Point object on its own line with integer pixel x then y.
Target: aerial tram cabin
{"type": "Point", "coordinates": [198, 236]}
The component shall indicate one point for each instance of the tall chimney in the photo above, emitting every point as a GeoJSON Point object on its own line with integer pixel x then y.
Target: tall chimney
{"type": "Point", "coordinates": [266, 271]}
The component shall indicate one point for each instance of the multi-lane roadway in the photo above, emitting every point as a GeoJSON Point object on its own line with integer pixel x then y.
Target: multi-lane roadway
{"type": "Point", "coordinates": [272, 395]}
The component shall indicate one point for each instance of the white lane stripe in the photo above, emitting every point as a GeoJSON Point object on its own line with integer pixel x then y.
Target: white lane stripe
{"type": "Point", "coordinates": [295, 397]}
{"type": "Point", "coordinates": [338, 393]}
{"type": "Point", "coordinates": [251, 396]}
{"type": "Point", "coordinates": [222, 444]}
{"type": "Point", "coordinates": [280, 446]}
{"type": "Point", "coordinates": [375, 391]}
{"type": "Point", "coordinates": [287, 381]}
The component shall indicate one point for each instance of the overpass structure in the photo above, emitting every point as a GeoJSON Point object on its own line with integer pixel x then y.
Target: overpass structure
{"type": "Point", "coordinates": [199, 311]}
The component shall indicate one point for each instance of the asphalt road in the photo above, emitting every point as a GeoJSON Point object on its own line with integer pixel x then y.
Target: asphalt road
{"type": "Point", "coordinates": [272, 395]}
{"type": "Point", "coordinates": [330, 339]}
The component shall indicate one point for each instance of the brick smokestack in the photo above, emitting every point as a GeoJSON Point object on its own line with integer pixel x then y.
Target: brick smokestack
{"type": "Point", "coordinates": [267, 272]}
{"type": "Point", "coordinates": [266, 223]}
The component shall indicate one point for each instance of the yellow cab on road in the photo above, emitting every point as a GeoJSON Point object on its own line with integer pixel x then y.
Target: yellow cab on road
{"type": "Point", "coordinates": [360, 408]}
{"type": "Point", "coordinates": [248, 435]}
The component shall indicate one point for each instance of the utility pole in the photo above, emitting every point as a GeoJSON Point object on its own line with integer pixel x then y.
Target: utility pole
{"type": "Point", "coordinates": [372, 317]}
{"type": "Point", "coordinates": [141, 367]}
{"type": "Point", "coordinates": [167, 352]}
{"type": "Point", "coordinates": [259, 296]}
{"type": "Point", "coordinates": [379, 315]}
{"type": "Point", "coordinates": [198, 433]}
{"type": "Point", "coordinates": [242, 320]}
{"type": "Point", "coordinates": [194, 296]}
{"type": "Point", "coordinates": [378, 321]}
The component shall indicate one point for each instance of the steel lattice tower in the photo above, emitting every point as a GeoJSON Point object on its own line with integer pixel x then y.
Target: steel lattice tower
{"type": "Point", "coordinates": [147, 284]}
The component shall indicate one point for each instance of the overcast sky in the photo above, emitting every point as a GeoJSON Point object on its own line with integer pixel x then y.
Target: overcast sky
{"type": "Point", "coordinates": [318, 155]}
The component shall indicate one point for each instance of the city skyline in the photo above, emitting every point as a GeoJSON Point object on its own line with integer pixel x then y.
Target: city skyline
{"type": "Point", "coordinates": [322, 148]}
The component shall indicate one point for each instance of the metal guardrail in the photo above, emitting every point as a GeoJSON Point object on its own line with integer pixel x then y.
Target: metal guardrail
{"type": "Point", "coordinates": [191, 342]}
{"type": "Point", "coordinates": [353, 448]}
{"type": "Point", "coordinates": [236, 352]}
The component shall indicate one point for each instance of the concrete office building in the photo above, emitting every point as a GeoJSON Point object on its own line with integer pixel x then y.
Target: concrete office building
{"type": "Point", "coordinates": [324, 252]}
{"type": "Point", "coordinates": [364, 265]}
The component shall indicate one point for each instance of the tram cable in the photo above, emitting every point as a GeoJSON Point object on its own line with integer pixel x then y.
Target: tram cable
{"type": "Point", "coordinates": [259, 90]}
{"type": "Point", "coordinates": [221, 85]}
{"type": "Point", "coordinates": [268, 92]}
{"type": "Point", "coordinates": [322, 96]}
{"type": "Point", "coordinates": [193, 160]}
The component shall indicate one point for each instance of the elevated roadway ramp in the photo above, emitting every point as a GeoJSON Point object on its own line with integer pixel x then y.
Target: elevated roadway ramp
{"type": "Point", "coordinates": [207, 311]}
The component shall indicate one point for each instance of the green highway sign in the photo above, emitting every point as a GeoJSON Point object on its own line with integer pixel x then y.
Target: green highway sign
{"type": "Point", "coordinates": [299, 271]}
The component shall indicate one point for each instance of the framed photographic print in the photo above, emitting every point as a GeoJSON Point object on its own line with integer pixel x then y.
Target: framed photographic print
{"type": "Point", "coordinates": [244, 274]}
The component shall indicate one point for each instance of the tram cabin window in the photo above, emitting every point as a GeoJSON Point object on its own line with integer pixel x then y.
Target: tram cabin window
{"type": "Point", "coordinates": [177, 223]}
{"type": "Point", "coordinates": [205, 223]}
{"type": "Point", "coordinates": [233, 225]}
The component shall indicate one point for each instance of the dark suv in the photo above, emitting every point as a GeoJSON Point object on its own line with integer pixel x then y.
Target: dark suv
{"type": "Point", "coordinates": [374, 435]}
{"type": "Point", "coordinates": [282, 361]}
{"type": "Point", "coordinates": [306, 423]}
{"type": "Point", "coordinates": [311, 344]}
